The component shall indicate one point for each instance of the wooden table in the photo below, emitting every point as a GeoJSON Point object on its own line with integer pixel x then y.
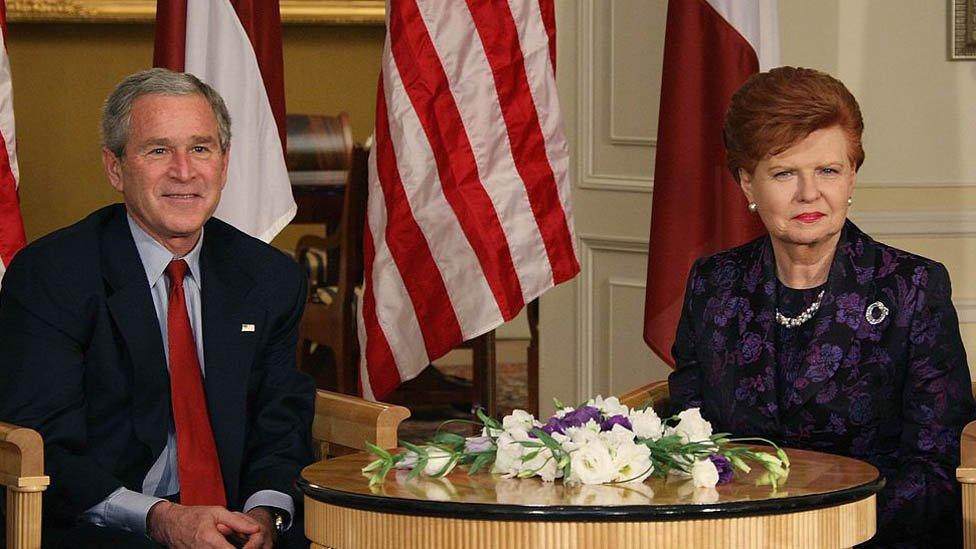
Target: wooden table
{"type": "Point", "coordinates": [828, 501]}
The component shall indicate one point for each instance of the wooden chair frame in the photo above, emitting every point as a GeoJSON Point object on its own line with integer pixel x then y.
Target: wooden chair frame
{"type": "Point", "coordinates": [334, 324]}
{"type": "Point", "coordinates": [342, 424]}
{"type": "Point", "coordinates": [22, 474]}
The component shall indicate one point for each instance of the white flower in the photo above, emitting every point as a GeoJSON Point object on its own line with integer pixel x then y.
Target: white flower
{"type": "Point", "coordinates": [646, 424]}
{"type": "Point", "coordinates": [632, 462]}
{"type": "Point", "coordinates": [617, 436]}
{"type": "Point", "coordinates": [561, 413]}
{"type": "Point", "coordinates": [519, 419]}
{"type": "Point", "coordinates": [577, 437]}
{"type": "Point", "coordinates": [489, 432]}
{"type": "Point", "coordinates": [591, 464]}
{"type": "Point", "coordinates": [704, 474]}
{"type": "Point", "coordinates": [609, 406]}
{"type": "Point", "coordinates": [543, 464]}
{"type": "Point", "coordinates": [692, 427]}
{"type": "Point", "coordinates": [439, 462]}
{"type": "Point", "coordinates": [508, 454]}
{"type": "Point", "coordinates": [409, 460]}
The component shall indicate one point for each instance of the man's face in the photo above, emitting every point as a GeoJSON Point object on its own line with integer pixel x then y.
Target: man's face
{"type": "Point", "coordinates": [172, 171]}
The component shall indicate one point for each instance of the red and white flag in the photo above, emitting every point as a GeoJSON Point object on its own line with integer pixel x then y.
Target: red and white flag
{"type": "Point", "coordinates": [710, 48]}
{"type": "Point", "coordinates": [235, 46]}
{"type": "Point", "coordinates": [12, 237]}
{"type": "Point", "coordinates": [468, 216]}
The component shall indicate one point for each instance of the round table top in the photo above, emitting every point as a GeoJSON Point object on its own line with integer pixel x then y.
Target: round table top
{"type": "Point", "coordinates": [816, 480]}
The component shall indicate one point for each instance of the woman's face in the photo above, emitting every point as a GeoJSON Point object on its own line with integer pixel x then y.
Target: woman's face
{"type": "Point", "coordinates": [801, 193]}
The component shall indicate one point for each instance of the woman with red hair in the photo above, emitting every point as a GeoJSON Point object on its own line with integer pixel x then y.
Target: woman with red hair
{"type": "Point", "coordinates": [816, 335]}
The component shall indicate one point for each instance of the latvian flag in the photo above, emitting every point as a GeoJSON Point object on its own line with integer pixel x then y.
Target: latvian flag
{"type": "Point", "coordinates": [235, 46]}
{"type": "Point", "coordinates": [468, 215]}
{"type": "Point", "coordinates": [710, 48]}
{"type": "Point", "coordinates": [12, 237]}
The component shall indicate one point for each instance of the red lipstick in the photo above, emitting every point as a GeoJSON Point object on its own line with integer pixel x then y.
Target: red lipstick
{"type": "Point", "coordinates": [809, 217]}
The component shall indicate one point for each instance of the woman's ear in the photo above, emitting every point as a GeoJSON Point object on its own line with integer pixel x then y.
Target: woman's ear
{"type": "Point", "coordinates": [745, 183]}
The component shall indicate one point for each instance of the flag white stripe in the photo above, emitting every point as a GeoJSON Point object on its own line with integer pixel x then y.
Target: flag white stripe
{"type": "Point", "coordinates": [7, 127]}
{"type": "Point", "coordinates": [453, 30]}
{"type": "Point", "coordinates": [542, 86]}
{"type": "Point", "coordinates": [394, 310]}
{"type": "Point", "coordinates": [756, 21]}
{"type": "Point", "coordinates": [361, 334]}
{"type": "Point", "coordinates": [257, 198]}
{"type": "Point", "coordinates": [467, 288]}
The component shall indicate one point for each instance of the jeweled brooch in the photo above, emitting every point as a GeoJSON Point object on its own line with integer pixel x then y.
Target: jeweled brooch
{"type": "Point", "coordinates": [876, 312]}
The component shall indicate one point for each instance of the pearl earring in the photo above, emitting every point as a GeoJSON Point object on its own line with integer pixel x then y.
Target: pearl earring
{"type": "Point", "coordinates": [850, 200]}
{"type": "Point", "coordinates": [753, 207]}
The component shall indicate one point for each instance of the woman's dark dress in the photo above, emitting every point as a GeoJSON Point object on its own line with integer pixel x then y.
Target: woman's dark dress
{"type": "Point", "coordinates": [896, 394]}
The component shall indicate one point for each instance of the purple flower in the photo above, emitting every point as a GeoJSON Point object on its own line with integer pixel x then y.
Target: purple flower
{"type": "Point", "coordinates": [850, 307]}
{"type": "Point", "coordinates": [623, 421]}
{"type": "Point", "coordinates": [725, 472]}
{"type": "Point", "coordinates": [752, 346]}
{"type": "Point", "coordinates": [477, 444]}
{"type": "Point", "coordinates": [554, 425]}
{"type": "Point", "coordinates": [581, 416]}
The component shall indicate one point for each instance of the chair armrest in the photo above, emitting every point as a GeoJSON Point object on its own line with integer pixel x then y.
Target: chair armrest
{"type": "Point", "coordinates": [654, 394]}
{"type": "Point", "coordinates": [350, 421]}
{"type": "Point", "coordinates": [966, 473]}
{"type": "Point", "coordinates": [21, 458]}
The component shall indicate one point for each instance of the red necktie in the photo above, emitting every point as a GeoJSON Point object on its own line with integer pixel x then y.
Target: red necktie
{"type": "Point", "coordinates": [196, 453]}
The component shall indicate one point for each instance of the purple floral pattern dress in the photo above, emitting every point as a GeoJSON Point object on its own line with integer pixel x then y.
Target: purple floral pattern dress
{"type": "Point", "coordinates": [896, 393]}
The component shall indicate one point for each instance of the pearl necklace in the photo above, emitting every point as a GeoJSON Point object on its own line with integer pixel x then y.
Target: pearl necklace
{"type": "Point", "coordinates": [793, 322]}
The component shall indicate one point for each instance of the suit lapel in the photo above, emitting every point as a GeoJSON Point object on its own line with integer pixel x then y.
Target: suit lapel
{"type": "Point", "coordinates": [752, 330]}
{"type": "Point", "coordinates": [834, 344]}
{"type": "Point", "coordinates": [228, 349]}
{"type": "Point", "coordinates": [131, 306]}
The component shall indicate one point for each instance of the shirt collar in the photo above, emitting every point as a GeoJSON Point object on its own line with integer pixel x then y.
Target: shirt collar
{"type": "Point", "coordinates": [155, 257]}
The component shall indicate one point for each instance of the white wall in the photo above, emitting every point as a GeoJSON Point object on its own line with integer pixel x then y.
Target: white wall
{"type": "Point", "coordinates": [917, 189]}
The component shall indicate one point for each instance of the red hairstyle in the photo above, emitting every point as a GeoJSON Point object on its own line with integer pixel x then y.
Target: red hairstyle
{"type": "Point", "coordinates": [774, 110]}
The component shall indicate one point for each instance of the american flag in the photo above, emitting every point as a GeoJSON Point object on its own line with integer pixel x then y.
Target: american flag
{"type": "Point", "coordinates": [12, 237]}
{"type": "Point", "coordinates": [469, 210]}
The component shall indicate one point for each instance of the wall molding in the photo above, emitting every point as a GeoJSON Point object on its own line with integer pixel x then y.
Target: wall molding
{"type": "Point", "coordinates": [615, 282]}
{"type": "Point", "coordinates": [588, 246]}
{"type": "Point", "coordinates": [916, 223]}
{"type": "Point", "coordinates": [587, 178]}
{"type": "Point", "coordinates": [616, 139]}
{"type": "Point", "coordinates": [908, 184]}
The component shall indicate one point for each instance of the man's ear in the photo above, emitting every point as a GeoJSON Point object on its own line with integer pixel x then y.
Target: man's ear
{"type": "Point", "coordinates": [113, 168]}
{"type": "Point", "coordinates": [226, 160]}
{"type": "Point", "coordinates": [745, 183]}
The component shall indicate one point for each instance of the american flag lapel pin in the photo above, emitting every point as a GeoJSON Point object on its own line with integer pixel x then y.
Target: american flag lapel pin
{"type": "Point", "coordinates": [247, 327]}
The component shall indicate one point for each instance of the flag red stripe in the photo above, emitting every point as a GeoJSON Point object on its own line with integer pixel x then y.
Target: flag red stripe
{"type": "Point", "coordinates": [409, 248]}
{"type": "Point", "coordinates": [548, 9]}
{"type": "Point", "coordinates": [697, 207]}
{"type": "Point", "coordinates": [169, 50]}
{"type": "Point", "coordinates": [499, 35]}
{"type": "Point", "coordinates": [3, 22]}
{"type": "Point", "coordinates": [381, 367]}
{"type": "Point", "coordinates": [12, 236]}
{"type": "Point", "coordinates": [429, 91]}
{"type": "Point", "coordinates": [262, 23]}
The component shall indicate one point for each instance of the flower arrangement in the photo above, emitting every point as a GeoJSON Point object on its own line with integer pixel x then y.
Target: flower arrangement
{"type": "Point", "coordinates": [599, 442]}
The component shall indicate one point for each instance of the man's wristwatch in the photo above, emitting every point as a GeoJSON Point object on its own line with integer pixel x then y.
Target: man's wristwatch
{"type": "Point", "coordinates": [278, 519]}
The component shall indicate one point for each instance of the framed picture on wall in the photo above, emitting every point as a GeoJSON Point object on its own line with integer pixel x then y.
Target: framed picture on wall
{"type": "Point", "coordinates": [962, 29]}
{"type": "Point", "coordinates": [329, 12]}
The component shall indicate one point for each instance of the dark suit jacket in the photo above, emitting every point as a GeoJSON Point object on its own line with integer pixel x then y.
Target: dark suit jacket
{"type": "Point", "coordinates": [81, 361]}
{"type": "Point", "coordinates": [896, 393]}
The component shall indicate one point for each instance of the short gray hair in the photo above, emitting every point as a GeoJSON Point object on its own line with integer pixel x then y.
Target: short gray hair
{"type": "Point", "coordinates": [117, 110]}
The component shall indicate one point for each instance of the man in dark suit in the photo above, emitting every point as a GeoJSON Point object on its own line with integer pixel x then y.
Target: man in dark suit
{"type": "Point", "coordinates": [153, 346]}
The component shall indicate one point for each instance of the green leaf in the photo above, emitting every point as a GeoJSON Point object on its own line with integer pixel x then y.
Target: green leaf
{"type": "Point", "coordinates": [377, 450]}
{"type": "Point", "coordinates": [419, 450]}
